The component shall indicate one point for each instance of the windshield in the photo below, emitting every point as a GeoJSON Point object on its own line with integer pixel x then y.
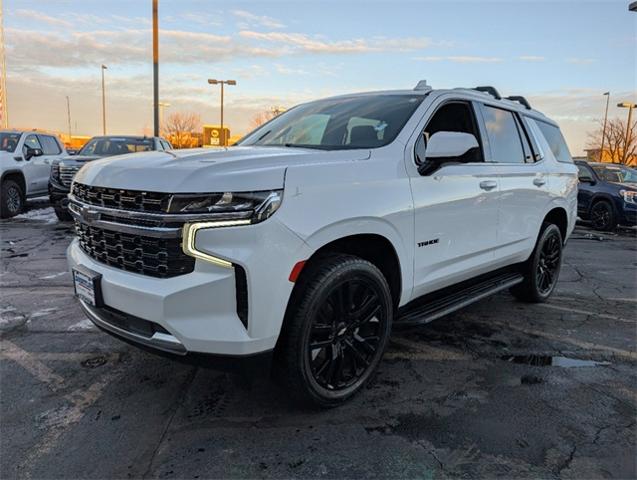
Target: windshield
{"type": "Point", "coordinates": [342, 123]}
{"type": "Point", "coordinates": [107, 146]}
{"type": "Point", "coordinates": [9, 141]}
{"type": "Point", "coordinates": [616, 174]}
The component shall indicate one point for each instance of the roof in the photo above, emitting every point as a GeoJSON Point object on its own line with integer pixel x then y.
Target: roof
{"type": "Point", "coordinates": [467, 92]}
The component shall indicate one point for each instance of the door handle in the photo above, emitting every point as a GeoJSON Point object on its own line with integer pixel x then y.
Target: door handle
{"type": "Point", "coordinates": [539, 181]}
{"type": "Point", "coordinates": [488, 184]}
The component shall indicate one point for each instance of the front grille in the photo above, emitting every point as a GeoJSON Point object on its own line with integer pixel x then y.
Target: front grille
{"type": "Point", "coordinates": [132, 200]}
{"type": "Point", "coordinates": [156, 257]}
{"type": "Point", "coordinates": [67, 173]}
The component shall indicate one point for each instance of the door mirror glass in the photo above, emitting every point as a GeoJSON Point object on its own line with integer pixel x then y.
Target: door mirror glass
{"type": "Point", "coordinates": [32, 152]}
{"type": "Point", "coordinates": [449, 145]}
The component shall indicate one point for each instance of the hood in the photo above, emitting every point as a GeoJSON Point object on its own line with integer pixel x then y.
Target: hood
{"type": "Point", "coordinates": [625, 185]}
{"type": "Point", "coordinates": [207, 170]}
{"type": "Point", "coordinates": [81, 159]}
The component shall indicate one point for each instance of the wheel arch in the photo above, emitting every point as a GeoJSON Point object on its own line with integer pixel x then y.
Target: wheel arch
{"type": "Point", "coordinates": [15, 175]}
{"type": "Point", "coordinates": [558, 216]}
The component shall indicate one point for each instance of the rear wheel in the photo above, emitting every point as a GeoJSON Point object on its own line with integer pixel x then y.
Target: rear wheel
{"type": "Point", "coordinates": [603, 216]}
{"type": "Point", "coordinates": [542, 270]}
{"type": "Point", "coordinates": [336, 331]}
{"type": "Point", "coordinates": [11, 199]}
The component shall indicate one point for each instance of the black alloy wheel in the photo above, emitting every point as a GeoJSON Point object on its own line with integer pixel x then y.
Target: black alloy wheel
{"type": "Point", "coordinates": [603, 216]}
{"type": "Point", "coordinates": [346, 334]}
{"type": "Point", "coordinates": [548, 264]}
{"type": "Point", "coordinates": [541, 271]}
{"type": "Point", "coordinates": [336, 329]}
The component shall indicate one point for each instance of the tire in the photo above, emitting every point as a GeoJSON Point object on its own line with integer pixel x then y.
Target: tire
{"type": "Point", "coordinates": [603, 216]}
{"type": "Point", "coordinates": [62, 214]}
{"type": "Point", "coordinates": [11, 199]}
{"type": "Point", "coordinates": [348, 346]}
{"type": "Point", "coordinates": [542, 269]}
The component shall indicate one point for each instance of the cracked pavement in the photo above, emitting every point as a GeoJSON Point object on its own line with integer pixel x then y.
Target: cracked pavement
{"type": "Point", "coordinates": [447, 401]}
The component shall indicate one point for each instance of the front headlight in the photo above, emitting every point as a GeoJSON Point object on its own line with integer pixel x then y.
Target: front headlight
{"type": "Point", "coordinates": [256, 206]}
{"type": "Point", "coordinates": [629, 196]}
{"type": "Point", "coordinates": [231, 209]}
{"type": "Point", "coordinates": [55, 172]}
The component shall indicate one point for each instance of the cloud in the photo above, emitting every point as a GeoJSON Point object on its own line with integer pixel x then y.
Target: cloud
{"type": "Point", "coordinates": [303, 43]}
{"type": "Point", "coordinates": [39, 17]}
{"type": "Point", "coordinates": [460, 59]}
{"type": "Point", "coordinates": [249, 20]}
{"type": "Point", "coordinates": [531, 58]}
{"type": "Point", "coordinates": [283, 70]}
{"type": "Point", "coordinates": [580, 61]}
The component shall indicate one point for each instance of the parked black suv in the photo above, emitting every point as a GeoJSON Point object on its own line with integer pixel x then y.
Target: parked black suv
{"type": "Point", "coordinates": [607, 194]}
{"type": "Point", "coordinates": [63, 171]}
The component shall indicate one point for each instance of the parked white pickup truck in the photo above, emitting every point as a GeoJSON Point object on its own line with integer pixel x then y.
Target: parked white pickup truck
{"type": "Point", "coordinates": [322, 228]}
{"type": "Point", "coordinates": [25, 167]}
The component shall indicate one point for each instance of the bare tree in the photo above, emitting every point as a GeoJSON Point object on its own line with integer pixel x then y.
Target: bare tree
{"type": "Point", "coordinates": [265, 116]}
{"type": "Point", "coordinates": [181, 128]}
{"type": "Point", "coordinates": [614, 142]}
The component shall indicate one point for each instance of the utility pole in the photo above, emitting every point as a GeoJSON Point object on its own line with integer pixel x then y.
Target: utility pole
{"type": "Point", "coordinates": [104, 67]}
{"type": "Point", "coordinates": [4, 108]}
{"type": "Point", "coordinates": [68, 114]}
{"type": "Point", "coordinates": [155, 70]}
{"type": "Point", "coordinates": [601, 149]}
{"type": "Point", "coordinates": [212, 81]}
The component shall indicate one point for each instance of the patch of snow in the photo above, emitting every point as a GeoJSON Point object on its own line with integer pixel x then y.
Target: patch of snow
{"type": "Point", "coordinates": [41, 214]}
{"type": "Point", "coordinates": [85, 324]}
{"type": "Point", "coordinates": [55, 275]}
{"type": "Point", "coordinates": [42, 313]}
{"type": "Point", "coordinates": [7, 309]}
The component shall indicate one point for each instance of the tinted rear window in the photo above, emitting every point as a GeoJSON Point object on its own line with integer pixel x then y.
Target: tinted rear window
{"type": "Point", "coordinates": [556, 141]}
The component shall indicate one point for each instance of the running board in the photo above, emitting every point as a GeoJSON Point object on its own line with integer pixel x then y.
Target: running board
{"type": "Point", "coordinates": [448, 300]}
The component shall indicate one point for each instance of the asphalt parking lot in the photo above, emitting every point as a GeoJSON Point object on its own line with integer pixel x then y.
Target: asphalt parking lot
{"type": "Point", "coordinates": [499, 389]}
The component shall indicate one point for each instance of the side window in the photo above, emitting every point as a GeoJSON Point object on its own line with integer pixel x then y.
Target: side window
{"type": "Point", "coordinates": [526, 144]}
{"type": "Point", "coordinates": [504, 136]}
{"type": "Point", "coordinates": [584, 174]}
{"type": "Point", "coordinates": [49, 145]}
{"type": "Point", "coordinates": [455, 116]}
{"type": "Point", "coordinates": [556, 141]}
{"type": "Point", "coordinates": [32, 142]}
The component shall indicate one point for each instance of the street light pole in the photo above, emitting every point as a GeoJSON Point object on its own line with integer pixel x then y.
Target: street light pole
{"type": "Point", "coordinates": [213, 81]}
{"type": "Point", "coordinates": [68, 113]}
{"type": "Point", "coordinates": [630, 107]}
{"type": "Point", "coordinates": [601, 150]}
{"type": "Point", "coordinates": [155, 70]}
{"type": "Point", "coordinates": [104, 67]}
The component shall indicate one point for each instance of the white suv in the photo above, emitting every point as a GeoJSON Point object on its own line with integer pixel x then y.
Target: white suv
{"type": "Point", "coordinates": [25, 167]}
{"type": "Point", "coordinates": [322, 228]}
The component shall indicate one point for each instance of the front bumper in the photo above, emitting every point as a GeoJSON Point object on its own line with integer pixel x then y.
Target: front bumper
{"type": "Point", "coordinates": [198, 311]}
{"type": "Point", "coordinates": [58, 194]}
{"type": "Point", "coordinates": [629, 214]}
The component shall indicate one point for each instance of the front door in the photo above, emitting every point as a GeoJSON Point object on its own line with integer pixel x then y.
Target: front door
{"type": "Point", "coordinates": [455, 207]}
{"type": "Point", "coordinates": [37, 169]}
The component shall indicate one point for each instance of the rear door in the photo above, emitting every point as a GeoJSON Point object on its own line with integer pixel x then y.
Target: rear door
{"type": "Point", "coordinates": [455, 206]}
{"type": "Point", "coordinates": [522, 177]}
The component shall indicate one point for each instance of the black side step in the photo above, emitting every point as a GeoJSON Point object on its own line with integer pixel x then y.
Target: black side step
{"type": "Point", "coordinates": [440, 303]}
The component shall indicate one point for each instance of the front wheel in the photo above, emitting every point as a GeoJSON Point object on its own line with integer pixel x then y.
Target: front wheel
{"type": "Point", "coordinates": [62, 213]}
{"type": "Point", "coordinates": [542, 270]}
{"type": "Point", "coordinates": [336, 331]}
{"type": "Point", "coordinates": [11, 199]}
{"type": "Point", "coordinates": [603, 216]}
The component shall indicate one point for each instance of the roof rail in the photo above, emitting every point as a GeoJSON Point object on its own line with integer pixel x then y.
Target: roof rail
{"type": "Point", "coordinates": [490, 90]}
{"type": "Point", "coordinates": [521, 100]}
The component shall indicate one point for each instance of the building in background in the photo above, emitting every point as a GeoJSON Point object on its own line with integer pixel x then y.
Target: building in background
{"type": "Point", "coordinates": [592, 155]}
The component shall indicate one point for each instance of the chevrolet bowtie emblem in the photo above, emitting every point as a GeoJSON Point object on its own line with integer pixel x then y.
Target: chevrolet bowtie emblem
{"type": "Point", "coordinates": [89, 214]}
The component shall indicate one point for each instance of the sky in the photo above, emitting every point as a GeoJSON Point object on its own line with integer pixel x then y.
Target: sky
{"type": "Point", "coordinates": [561, 55]}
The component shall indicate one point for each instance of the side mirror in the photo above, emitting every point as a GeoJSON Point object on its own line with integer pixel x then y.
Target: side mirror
{"type": "Point", "coordinates": [444, 147]}
{"type": "Point", "coordinates": [450, 144]}
{"type": "Point", "coordinates": [584, 179]}
{"type": "Point", "coordinates": [32, 152]}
